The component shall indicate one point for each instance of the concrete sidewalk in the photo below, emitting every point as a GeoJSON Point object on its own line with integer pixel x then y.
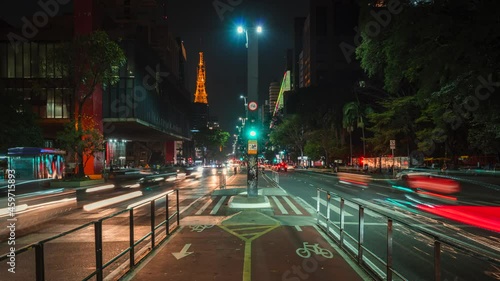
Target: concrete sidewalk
{"type": "Point", "coordinates": [220, 242]}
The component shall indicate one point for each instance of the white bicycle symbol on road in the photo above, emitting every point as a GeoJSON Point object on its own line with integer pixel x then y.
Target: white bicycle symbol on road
{"type": "Point", "coordinates": [200, 228]}
{"type": "Point", "coordinates": [305, 251]}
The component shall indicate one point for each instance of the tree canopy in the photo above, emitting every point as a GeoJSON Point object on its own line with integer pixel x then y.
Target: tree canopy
{"type": "Point", "coordinates": [211, 142]}
{"type": "Point", "coordinates": [438, 61]}
{"type": "Point", "coordinates": [86, 64]}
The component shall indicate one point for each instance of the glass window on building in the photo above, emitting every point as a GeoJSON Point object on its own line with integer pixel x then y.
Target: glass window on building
{"type": "Point", "coordinates": [51, 102]}
{"type": "Point", "coordinates": [35, 60]}
{"type": "Point", "coordinates": [42, 52]}
{"type": "Point", "coordinates": [11, 57]}
{"type": "Point", "coordinates": [49, 143]}
{"type": "Point", "coordinates": [19, 61]}
{"type": "Point", "coordinates": [3, 60]}
{"type": "Point", "coordinates": [42, 111]}
{"type": "Point", "coordinates": [50, 62]}
{"type": "Point", "coordinates": [26, 60]}
{"type": "Point", "coordinates": [65, 103]}
{"type": "Point", "coordinates": [60, 110]}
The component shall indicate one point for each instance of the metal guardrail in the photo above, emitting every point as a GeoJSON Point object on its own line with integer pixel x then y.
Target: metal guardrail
{"type": "Point", "coordinates": [359, 250]}
{"type": "Point", "coordinates": [222, 180]}
{"type": "Point", "coordinates": [275, 177]}
{"type": "Point", "coordinates": [98, 238]}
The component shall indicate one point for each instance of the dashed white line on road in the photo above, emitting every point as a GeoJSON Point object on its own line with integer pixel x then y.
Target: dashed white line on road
{"type": "Point", "coordinates": [280, 206]}
{"type": "Point", "coordinates": [294, 208]}
{"type": "Point", "coordinates": [217, 207]}
{"type": "Point", "coordinates": [204, 207]}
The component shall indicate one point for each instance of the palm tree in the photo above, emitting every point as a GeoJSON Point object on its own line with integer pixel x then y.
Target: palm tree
{"type": "Point", "coordinates": [348, 120]}
{"type": "Point", "coordinates": [355, 113]}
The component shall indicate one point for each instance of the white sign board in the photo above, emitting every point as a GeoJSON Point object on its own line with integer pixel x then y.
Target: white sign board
{"type": "Point", "coordinates": [393, 144]}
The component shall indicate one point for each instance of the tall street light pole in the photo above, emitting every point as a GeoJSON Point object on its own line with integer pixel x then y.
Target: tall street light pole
{"type": "Point", "coordinates": [245, 104]}
{"type": "Point", "coordinates": [252, 96]}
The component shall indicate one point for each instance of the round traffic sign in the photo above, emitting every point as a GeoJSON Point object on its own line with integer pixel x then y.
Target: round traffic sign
{"type": "Point", "coordinates": [252, 105]}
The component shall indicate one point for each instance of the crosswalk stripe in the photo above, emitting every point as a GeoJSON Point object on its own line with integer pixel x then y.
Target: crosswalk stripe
{"type": "Point", "coordinates": [218, 205]}
{"type": "Point", "coordinates": [202, 209]}
{"type": "Point", "coordinates": [278, 203]}
{"type": "Point", "coordinates": [294, 208]}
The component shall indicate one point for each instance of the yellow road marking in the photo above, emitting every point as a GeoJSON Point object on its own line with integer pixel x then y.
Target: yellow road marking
{"type": "Point", "coordinates": [247, 260]}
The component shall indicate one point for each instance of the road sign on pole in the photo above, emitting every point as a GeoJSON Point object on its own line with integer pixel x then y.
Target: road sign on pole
{"type": "Point", "coordinates": [252, 106]}
{"type": "Point", "coordinates": [393, 146]}
{"type": "Point", "coordinates": [252, 147]}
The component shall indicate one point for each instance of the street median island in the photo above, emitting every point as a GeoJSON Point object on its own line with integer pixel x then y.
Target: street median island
{"type": "Point", "coordinates": [75, 183]}
{"type": "Point", "coordinates": [243, 201]}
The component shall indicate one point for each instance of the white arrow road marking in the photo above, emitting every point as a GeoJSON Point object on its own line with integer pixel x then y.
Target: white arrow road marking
{"type": "Point", "coordinates": [183, 252]}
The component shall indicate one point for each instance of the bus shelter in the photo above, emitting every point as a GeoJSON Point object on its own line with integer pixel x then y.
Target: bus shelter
{"type": "Point", "coordinates": [37, 163]}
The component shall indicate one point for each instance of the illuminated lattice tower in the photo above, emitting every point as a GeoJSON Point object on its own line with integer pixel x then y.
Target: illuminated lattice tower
{"type": "Point", "coordinates": [200, 96]}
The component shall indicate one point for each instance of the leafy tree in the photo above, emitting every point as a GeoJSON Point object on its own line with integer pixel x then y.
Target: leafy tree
{"type": "Point", "coordinates": [290, 133]}
{"type": "Point", "coordinates": [211, 142]}
{"type": "Point", "coordinates": [348, 122]}
{"type": "Point", "coordinates": [19, 126]}
{"type": "Point", "coordinates": [322, 142]}
{"type": "Point", "coordinates": [356, 113]}
{"type": "Point", "coordinates": [86, 142]}
{"type": "Point", "coordinates": [86, 64]}
{"type": "Point", "coordinates": [434, 56]}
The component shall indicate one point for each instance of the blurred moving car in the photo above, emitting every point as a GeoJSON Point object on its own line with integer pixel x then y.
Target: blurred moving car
{"type": "Point", "coordinates": [281, 167]}
{"type": "Point", "coordinates": [432, 183]}
{"type": "Point", "coordinates": [404, 174]}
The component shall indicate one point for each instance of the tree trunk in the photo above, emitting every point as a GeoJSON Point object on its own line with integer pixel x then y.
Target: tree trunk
{"type": "Point", "coordinates": [364, 145]}
{"type": "Point", "coordinates": [81, 168]}
{"type": "Point", "coordinates": [79, 128]}
{"type": "Point", "coordinates": [350, 146]}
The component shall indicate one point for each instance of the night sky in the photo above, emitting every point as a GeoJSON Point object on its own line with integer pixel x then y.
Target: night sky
{"type": "Point", "coordinates": [203, 29]}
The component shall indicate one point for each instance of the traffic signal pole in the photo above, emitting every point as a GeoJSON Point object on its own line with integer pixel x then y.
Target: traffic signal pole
{"type": "Point", "coordinates": [252, 125]}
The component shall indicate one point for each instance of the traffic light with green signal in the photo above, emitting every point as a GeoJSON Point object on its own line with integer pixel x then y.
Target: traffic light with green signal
{"type": "Point", "coordinates": [252, 133]}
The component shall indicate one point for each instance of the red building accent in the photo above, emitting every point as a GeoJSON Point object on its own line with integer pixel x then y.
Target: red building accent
{"type": "Point", "coordinates": [169, 152]}
{"type": "Point", "coordinates": [86, 21]}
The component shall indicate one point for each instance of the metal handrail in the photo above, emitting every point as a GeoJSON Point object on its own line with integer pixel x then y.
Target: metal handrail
{"type": "Point", "coordinates": [222, 180]}
{"type": "Point", "coordinates": [438, 241]}
{"type": "Point", "coordinates": [276, 177]}
{"type": "Point", "coordinates": [98, 273]}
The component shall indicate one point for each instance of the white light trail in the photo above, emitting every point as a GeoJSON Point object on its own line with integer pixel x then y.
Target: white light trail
{"type": "Point", "coordinates": [110, 201]}
{"type": "Point", "coordinates": [98, 188]}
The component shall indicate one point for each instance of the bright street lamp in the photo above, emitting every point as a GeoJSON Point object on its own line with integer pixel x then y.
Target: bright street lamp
{"type": "Point", "coordinates": [244, 98]}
